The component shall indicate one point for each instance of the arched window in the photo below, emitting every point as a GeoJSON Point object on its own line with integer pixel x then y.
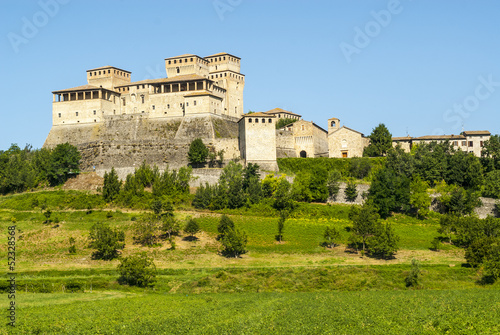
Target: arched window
{"type": "Point", "coordinates": [303, 154]}
{"type": "Point", "coordinates": [333, 124]}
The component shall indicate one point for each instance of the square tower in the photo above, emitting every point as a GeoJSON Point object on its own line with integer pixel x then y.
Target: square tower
{"type": "Point", "coordinates": [108, 77]}
{"type": "Point", "coordinates": [186, 64]}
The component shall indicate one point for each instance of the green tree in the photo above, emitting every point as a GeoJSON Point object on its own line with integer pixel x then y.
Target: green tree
{"type": "Point", "coordinates": [146, 230]}
{"type": "Point", "coordinates": [333, 183]}
{"type": "Point", "coordinates": [225, 225]}
{"type": "Point", "coordinates": [281, 225]}
{"type": "Point", "coordinates": [282, 196]}
{"type": "Point", "coordinates": [137, 270]}
{"type": "Point", "coordinates": [420, 200]}
{"type": "Point", "coordinates": [491, 148]}
{"type": "Point", "coordinates": [234, 243]}
{"type": "Point", "coordinates": [107, 241]}
{"type": "Point", "coordinates": [351, 192]}
{"type": "Point", "coordinates": [492, 185]}
{"type": "Point", "coordinates": [111, 187]}
{"type": "Point", "coordinates": [231, 183]}
{"type": "Point", "coordinates": [284, 122]}
{"type": "Point", "coordinates": [384, 242]}
{"type": "Point", "coordinates": [198, 152]}
{"type": "Point", "coordinates": [331, 236]}
{"type": "Point", "coordinates": [413, 276]}
{"type": "Point", "coordinates": [364, 222]}
{"type": "Point", "coordinates": [389, 192]}
{"type": "Point", "coordinates": [64, 160]}
{"type": "Point", "coordinates": [492, 264]}
{"type": "Point", "coordinates": [380, 142]}
{"type": "Point", "coordinates": [170, 226]}
{"type": "Point", "coordinates": [192, 227]}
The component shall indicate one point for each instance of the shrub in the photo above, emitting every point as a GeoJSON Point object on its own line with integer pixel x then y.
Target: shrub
{"type": "Point", "coordinates": [137, 270]}
{"type": "Point", "coordinates": [146, 230]}
{"type": "Point", "coordinates": [331, 235]}
{"type": "Point", "coordinates": [225, 225]}
{"type": "Point", "coordinates": [111, 187]}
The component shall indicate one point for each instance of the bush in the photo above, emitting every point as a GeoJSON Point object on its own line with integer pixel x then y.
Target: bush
{"type": "Point", "coordinates": [111, 187]}
{"type": "Point", "coordinates": [137, 270]}
{"type": "Point", "coordinates": [146, 230]}
{"type": "Point", "coordinates": [107, 241]}
{"type": "Point", "coordinates": [331, 235]}
{"type": "Point", "coordinates": [225, 225]}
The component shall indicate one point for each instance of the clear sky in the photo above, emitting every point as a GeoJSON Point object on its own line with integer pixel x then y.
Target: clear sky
{"type": "Point", "coordinates": [420, 66]}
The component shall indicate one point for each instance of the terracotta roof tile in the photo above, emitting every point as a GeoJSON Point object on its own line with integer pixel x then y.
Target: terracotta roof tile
{"type": "Point", "coordinates": [82, 88]}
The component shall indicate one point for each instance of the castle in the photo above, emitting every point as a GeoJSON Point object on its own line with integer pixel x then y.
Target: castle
{"type": "Point", "coordinates": [118, 123]}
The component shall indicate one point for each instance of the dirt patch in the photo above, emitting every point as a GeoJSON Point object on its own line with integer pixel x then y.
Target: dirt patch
{"type": "Point", "coordinates": [88, 181]}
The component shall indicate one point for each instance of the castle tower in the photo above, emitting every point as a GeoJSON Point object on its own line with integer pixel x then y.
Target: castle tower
{"type": "Point", "coordinates": [186, 64]}
{"type": "Point", "coordinates": [224, 70]}
{"type": "Point", "coordinates": [108, 77]}
{"type": "Point", "coordinates": [333, 124]}
{"type": "Point", "coordinates": [257, 140]}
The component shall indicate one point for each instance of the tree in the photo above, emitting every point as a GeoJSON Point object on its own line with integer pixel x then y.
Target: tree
{"type": "Point", "coordinates": [331, 235]}
{"type": "Point", "coordinates": [364, 221]}
{"type": "Point", "coordinates": [492, 264]}
{"type": "Point", "coordinates": [137, 270]}
{"type": "Point", "coordinates": [231, 183]}
{"type": "Point", "coordinates": [111, 187]}
{"type": "Point", "coordinates": [384, 242]}
{"type": "Point", "coordinates": [380, 142]}
{"type": "Point", "coordinates": [389, 192]}
{"type": "Point", "coordinates": [198, 152]}
{"type": "Point", "coordinates": [64, 160]}
{"type": "Point", "coordinates": [282, 196]}
{"type": "Point", "coordinates": [234, 243]}
{"type": "Point", "coordinates": [225, 225]}
{"type": "Point", "coordinates": [284, 122]}
{"type": "Point", "coordinates": [170, 226]}
{"type": "Point", "coordinates": [491, 147]}
{"type": "Point", "coordinates": [351, 193]}
{"type": "Point", "coordinates": [492, 185]}
{"type": "Point", "coordinates": [146, 230]}
{"type": "Point", "coordinates": [412, 278]}
{"type": "Point", "coordinates": [420, 200]}
{"type": "Point", "coordinates": [333, 183]}
{"type": "Point", "coordinates": [281, 225]}
{"type": "Point", "coordinates": [107, 241]}
{"type": "Point", "coordinates": [191, 227]}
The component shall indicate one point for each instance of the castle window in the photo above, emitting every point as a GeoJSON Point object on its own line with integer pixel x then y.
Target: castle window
{"type": "Point", "coordinates": [195, 105]}
{"type": "Point", "coordinates": [178, 70]}
{"type": "Point", "coordinates": [99, 72]}
{"type": "Point", "coordinates": [225, 74]}
{"type": "Point", "coordinates": [270, 120]}
{"type": "Point", "coordinates": [250, 120]}
{"type": "Point", "coordinates": [109, 71]}
{"type": "Point", "coordinates": [256, 120]}
{"type": "Point", "coordinates": [187, 104]}
{"type": "Point", "coordinates": [169, 62]}
{"type": "Point", "coordinates": [95, 120]}
{"type": "Point", "coordinates": [263, 120]}
{"type": "Point", "coordinates": [59, 114]}
{"type": "Point", "coordinates": [137, 86]}
{"type": "Point", "coordinates": [180, 60]}
{"type": "Point", "coordinates": [224, 57]}
{"type": "Point", "coordinates": [191, 59]}
{"type": "Point", "coordinates": [168, 106]}
{"type": "Point", "coordinates": [91, 74]}
{"type": "Point", "coordinates": [175, 61]}
{"type": "Point", "coordinates": [471, 144]}
{"type": "Point", "coordinates": [76, 113]}
{"type": "Point", "coordinates": [143, 86]}
{"type": "Point", "coordinates": [333, 124]}
{"type": "Point", "coordinates": [153, 107]}
{"type": "Point", "coordinates": [95, 73]}
{"type": "Point", "coordinates": [180, 104]}
{"type": "Point", "coordinates": [303, 127]}
{"type": "Point", "coordinates": [95, 112]}
{"type": "Point", "coordinates": [142, 98]}
{"type": "Point", "coordinates": [124, 103]}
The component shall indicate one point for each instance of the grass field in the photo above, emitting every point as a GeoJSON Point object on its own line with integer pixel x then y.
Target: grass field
{"type": "Point", "coordinates": [379, 312]}
{"type": "Point", "coordinates": [296, 286]}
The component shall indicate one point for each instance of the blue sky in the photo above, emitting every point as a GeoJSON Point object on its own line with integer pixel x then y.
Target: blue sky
{"type": "Point", "coordinates": [419, 66]}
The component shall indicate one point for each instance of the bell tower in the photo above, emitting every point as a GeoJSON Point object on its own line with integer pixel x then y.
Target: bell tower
{"type": "Point", "coordinates": [333, 125]}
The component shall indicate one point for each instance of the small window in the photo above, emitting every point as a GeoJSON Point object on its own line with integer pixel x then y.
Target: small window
{"type": "Point", "coordinates": [481, 144]}
{"type": "Point", "coordinates": [142, 98]}
{"type": "Point", "coordinates": [178, 70]}
{"type": "Point", "coordinates": [59, 114]}
{"type": "Point", "coordinates": [471, 144]}
{"type": "Point", "coordinates": [91, 74]}
{"type": "Point", "coordinates": [95, 112]}
{"type": "Point", "coordinates": [303, 127]}
{"type": "Point", "coordinates": [180, 104]}
{"type": "Point", "coordinates": [263, 120]}
{"type": "Point", "coordinates": [76, 113]}
{"type": "Point", "coordinates": [109, 71]}
{"type": "Point", "coordinates": [187, 104]}
{"type": "Point", "coordinates": [250, 120]}
{"type": "Point", "coordinates": [464, 143]}
{"type": "Point", "coordinates": [143, 86]}
{"type": "Point", "coordinates": [99, 72]}
{"type": "Point", "coordinates": [169, 62]}
{"type": "Point", "coordinates": [256, 120]}
{"type": "Point", "coordinates": [137, 86]}
{"type": "Point", "coordinates": [194, 102]}
{"type": "Point", "coordinates": [168, 106]}
{"type": "Point", "coordinates": [270, 120]}
{"type": "Point", "coordinates": [153, 107]}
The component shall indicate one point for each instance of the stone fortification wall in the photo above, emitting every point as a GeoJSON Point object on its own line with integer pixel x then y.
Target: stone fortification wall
{"type": "Point", "coordinates": [285, 144]}
{"type": "Point", "coordinates": [125, 141]}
